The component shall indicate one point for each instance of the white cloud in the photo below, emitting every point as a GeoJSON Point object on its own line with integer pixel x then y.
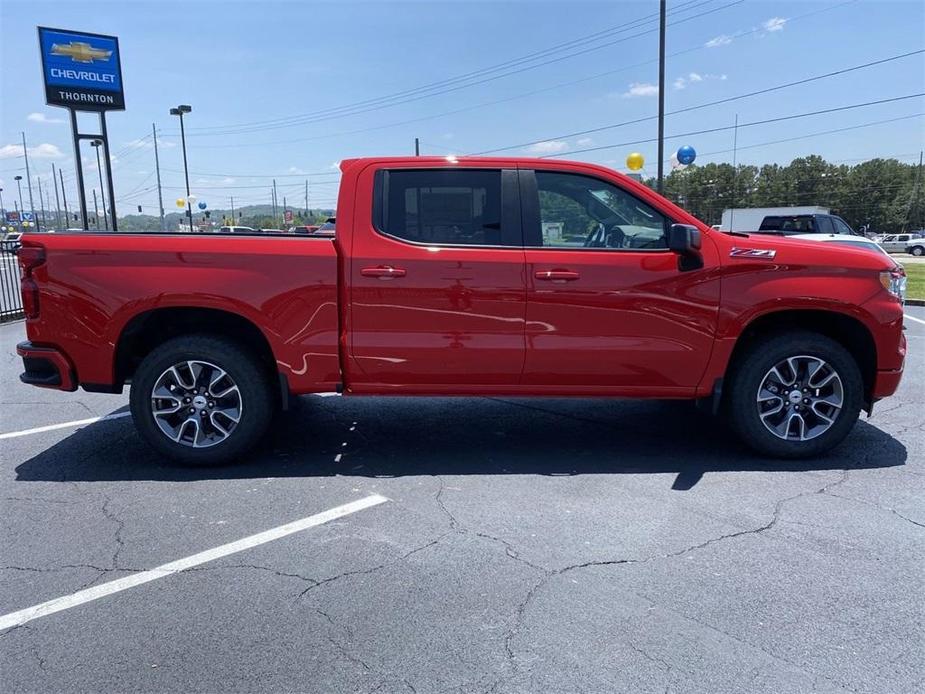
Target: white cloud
{"type": "Point", "coordinates": [295, 170]}
{"type": "Point", "coordinates": [42, 118]}
{"type": "Point", "coordinates": [716, 41]}
{"type": "Point", "coordinates": [641, 89]}
{"type": "Point", "coordinates": [42, 151]}
{"type": "Point", "coordinates": [584, 141]}
{"type": "Point", "coordinates": [335, 165]}
{"type": "Point", "coordinates": [774, 24]}
{"type": "Point", "coordinates": [547, 147]}
{"type": "Point", "coordinates": [694, 77]}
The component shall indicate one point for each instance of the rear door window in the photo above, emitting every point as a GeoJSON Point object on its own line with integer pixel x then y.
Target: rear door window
{"type": "Point", "coordinates": [840, 226]}
{"type": "Point", "coordinates": [825, 225]}
{"type": "Point", "coordinates": [439, 207]}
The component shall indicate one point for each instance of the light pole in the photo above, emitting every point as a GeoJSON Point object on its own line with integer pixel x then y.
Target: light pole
{"type": "Point", "coordinates": [18, 180]}
{"type": "Point", "coordinates": [1, 202]}
{"type": "Point", "coordinates": [96, 145]}
{"type": "Point", "coordinates": [179, 111]}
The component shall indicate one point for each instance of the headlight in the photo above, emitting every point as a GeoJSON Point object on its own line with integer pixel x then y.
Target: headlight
{"type": "Point", "coordinates": [894, 281]}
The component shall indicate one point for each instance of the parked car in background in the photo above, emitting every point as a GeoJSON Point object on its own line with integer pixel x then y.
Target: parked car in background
{"type": "Point", "coordinates": [916, 247]}
{"type": "Point", "coordinates": [789, 225]}
{"type": "Point", "coordinates": [304, 229]}
{"type": "Point", "coordinates": [749, 218]}
{"type": "Point", "coordinates": [270, 231]}
{"type": "Point", "coordinates": [328, 228]}
{"type": "Point", "coordinates": [851, 241]}
{"type": "Point", "coordinates": [10, 241]}
{"type": "Point", "coordinates": [238, 230]}
{"type": "Point", "coordinates": [896, 243]}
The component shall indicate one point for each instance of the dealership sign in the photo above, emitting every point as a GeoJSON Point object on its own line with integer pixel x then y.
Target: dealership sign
{"type": "Point", "coordinates": [82, 71]}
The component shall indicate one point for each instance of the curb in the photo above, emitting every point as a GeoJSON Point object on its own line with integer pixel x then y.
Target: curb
{"type": "Point", "coordinates": [915, 302]}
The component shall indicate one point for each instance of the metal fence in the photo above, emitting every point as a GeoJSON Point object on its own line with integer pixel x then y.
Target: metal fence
{"type": "Point", "coordinates": [10, 296]}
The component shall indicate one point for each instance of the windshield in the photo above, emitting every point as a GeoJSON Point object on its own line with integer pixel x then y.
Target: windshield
{"type": "Point", "coordinates": [799, 224]}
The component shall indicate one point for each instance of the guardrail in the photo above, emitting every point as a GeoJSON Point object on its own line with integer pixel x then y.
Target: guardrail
{"type": "Point", "coordinates": [10, 296]}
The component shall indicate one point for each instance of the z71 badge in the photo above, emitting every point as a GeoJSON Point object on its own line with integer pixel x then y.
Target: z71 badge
{"type": "Point", "coordinates": [762, 253]}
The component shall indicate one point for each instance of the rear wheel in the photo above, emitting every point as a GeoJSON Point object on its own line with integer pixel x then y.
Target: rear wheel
{"type": "Point", "coordinates": [918, 250]}
{"type": "Point", "coordinates": [795, 395]}
{"type": "Point", "coordinates": [201, 400]}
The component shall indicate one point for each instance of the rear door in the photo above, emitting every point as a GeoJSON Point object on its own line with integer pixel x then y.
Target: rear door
{"type": "Point", "coordinates": [609, 307]}
{"type": "Point", "coordinates": [437, 289]}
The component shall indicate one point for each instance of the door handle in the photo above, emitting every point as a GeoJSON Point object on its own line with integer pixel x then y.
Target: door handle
{"type": "Point", "coordinates": [556, 275]}
{"type": "Point", "coordinates": [383, 272]}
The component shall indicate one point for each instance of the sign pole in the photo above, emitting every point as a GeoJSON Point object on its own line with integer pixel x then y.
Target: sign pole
{"type": "Point", "coordinates": [112, 194]}
{"type": "Point", "coordinates": [81, 193]}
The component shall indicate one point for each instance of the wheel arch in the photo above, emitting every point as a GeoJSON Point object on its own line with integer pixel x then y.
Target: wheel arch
{"type": "Point", "coordinates": [847, 330]}
{"type": "Point", "coordinates": [149, 329]}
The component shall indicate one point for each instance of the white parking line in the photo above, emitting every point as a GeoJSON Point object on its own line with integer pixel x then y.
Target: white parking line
{"type": "Point", "coordinates": [64, 425]}
{"type": "Point", "coordinates": [917, 320]}
{"type": "Point", "coordinates": [15, 619]}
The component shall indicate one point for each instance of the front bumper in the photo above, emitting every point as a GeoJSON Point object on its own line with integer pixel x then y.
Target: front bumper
{"type": "Point", "coordinates": [46, 367]}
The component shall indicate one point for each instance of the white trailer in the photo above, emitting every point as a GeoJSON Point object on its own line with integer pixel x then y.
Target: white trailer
{"type": "Point", "coordinates": [749, 218]}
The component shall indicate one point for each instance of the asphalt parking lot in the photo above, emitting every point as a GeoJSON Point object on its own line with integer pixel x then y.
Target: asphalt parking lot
{"type": "Point", "coordinates": [521, 546]}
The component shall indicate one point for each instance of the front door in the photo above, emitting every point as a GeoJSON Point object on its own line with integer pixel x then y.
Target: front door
{"type": "Point", "coordinates": [437, 283]}
{"type": "Point", "coordinates": [609, 308]}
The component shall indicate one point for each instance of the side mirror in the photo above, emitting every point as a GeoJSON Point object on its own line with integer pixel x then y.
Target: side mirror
{"type": "Point", "coordinates": [684, 239]}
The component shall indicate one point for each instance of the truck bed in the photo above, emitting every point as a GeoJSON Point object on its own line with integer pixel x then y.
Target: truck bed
{"type": "Point", "coordinates": [95, 286]}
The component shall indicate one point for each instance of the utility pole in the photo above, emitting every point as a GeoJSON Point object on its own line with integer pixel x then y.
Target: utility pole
{"type": "Point", "coordinates": [96, 211]}
{"type": "Point", "coordinates": [54, 178]}
{"type": "Point", "coordinates": [661, 93]}
{"type": "Point", "coordinates": [41, 205]}
{"type": "Point", "coordinates": [274, 202]}
{"type": "Point", "coordinates": [67, 214]}
{"type": "Point", "coordinates": [417, 147]}
{"type": "Point", "coordinates": [157, 168]}
{"type": "Point", "coordinates": [306, 200]}
{"type": "Point", "coordinates": [735, 171]}
{"type": "Point", "coordinates": [96, 144]}
{"type": "Point", "coordinates": [25, 153]}
{"type": "Point", "coordinates": [232, 210]}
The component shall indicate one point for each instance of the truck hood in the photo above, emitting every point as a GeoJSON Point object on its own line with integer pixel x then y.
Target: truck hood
{"type": "Point", "coordinates": [806, 251]}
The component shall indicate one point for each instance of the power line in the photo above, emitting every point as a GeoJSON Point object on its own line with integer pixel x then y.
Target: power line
{"type": "Point", "coordinates": [351, 111]}
{"type": "Point", "coordinates": [820, 133]}
{"type": "Point", "coordinates": [717, 102]}
{"type": "Point", "coordinates": [741, 125]}
{"type": "Point", "coordinates": [699, 46]}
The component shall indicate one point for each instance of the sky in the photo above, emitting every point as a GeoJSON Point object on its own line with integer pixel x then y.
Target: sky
{"type": "Point", "coordinates": [288, 89]}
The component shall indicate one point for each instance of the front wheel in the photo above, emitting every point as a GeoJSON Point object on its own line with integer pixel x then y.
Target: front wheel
{"type": "Point", "coordinates": [917, 250]}
{"type": "Point", "coordinates": [795, 395]}
{"type": "Point", "coordinates": [201, 400]}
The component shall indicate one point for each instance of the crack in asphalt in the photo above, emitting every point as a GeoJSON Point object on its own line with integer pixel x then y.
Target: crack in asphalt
{"type": "Point", "coordinates": [120, 526]}
{"type": "Point", "coordinates": [520, 613]}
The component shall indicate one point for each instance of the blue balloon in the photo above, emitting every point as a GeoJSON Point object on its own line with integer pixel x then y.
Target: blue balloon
{"type": "Point", "coordinates": [686, 155]}
{"type": "Point", "coordinates": [202, 205]}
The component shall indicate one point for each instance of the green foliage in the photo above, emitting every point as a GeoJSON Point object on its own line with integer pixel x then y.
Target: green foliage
{"type": "Point", "coordinates": [879, 194]}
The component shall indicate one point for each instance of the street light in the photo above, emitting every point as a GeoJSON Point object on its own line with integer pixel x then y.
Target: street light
{"type": "Point", "coordinates": [1, 202]}
{"type": "Point", "coordinates": [19, 185]}
{"type": "Point", "coordinates": [179, 111]}
{"type": "Point", "coordinates": [96, 145]}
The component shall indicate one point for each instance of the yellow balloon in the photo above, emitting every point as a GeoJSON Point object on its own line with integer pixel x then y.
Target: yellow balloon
{"type": "Point", "coordinates": [181, 202]}
{"type": "Point", "coordinates": [635, 161]}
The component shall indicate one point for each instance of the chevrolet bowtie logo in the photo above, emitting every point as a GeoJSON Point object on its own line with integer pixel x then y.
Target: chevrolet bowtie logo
{"type": "Point", "coordinates": [80, 52]}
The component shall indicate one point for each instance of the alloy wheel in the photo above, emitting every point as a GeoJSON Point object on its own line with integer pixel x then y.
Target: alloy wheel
{"type": "Point", "coordinates": [196, 404]}
{"type": "Point", "coordinates": [800, 398]}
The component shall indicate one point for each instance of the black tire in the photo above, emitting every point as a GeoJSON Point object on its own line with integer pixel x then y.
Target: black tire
{"type": "Point", "coordinates": [917, 250]}
{"type": "Point", "coordinates": [746, 378]}
{"type": "Point", "coordinates": [242, 367]}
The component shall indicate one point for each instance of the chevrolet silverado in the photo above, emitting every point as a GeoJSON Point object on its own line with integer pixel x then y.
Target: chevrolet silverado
{"type": "Point", "coordinates": [468, 276]}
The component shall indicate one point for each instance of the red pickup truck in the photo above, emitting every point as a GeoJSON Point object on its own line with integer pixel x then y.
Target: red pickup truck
{"type": "Point", "coordinates": [468, 276]}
